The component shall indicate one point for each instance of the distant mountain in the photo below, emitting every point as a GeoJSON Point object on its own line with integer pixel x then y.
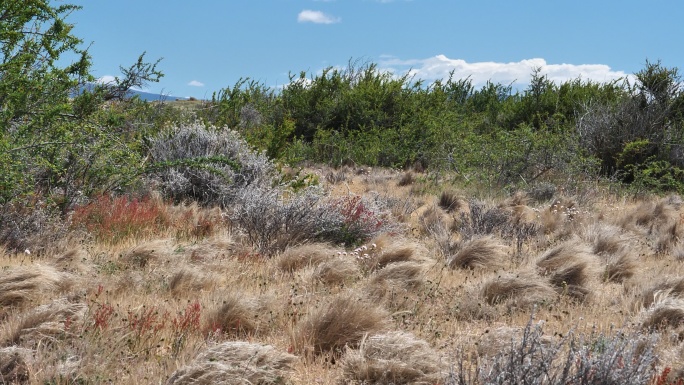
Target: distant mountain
{"type": "Point", "coordinates": [147, 96]}
{"type": "Point", "coordinates": [155, 97]}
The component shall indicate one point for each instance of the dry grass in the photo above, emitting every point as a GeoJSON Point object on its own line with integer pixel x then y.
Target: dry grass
{"type": "Point", "coordinates": [236, 362]}
{"type": "Point", "coordinates": [521, 290]}
{"type": "Point", "coordinates": [672, 287]}
{"type": "Point", "coordinates": [13, 367]}
{"type": "Point", "coordinates": [22, 285]}
{"type": "Point", "coordinates": [336, 271]}
{"type": "Point", "coordinates": [571, 267]}
{"type": "Point", "coordinates": [395, 282]}
{"type": "Point", "coordinates": [236, 315]}
{"type": "Point", "coordinates": [488, 252]}
{"type": "Point", "coordinates": [668, 313]}
{"type": "Point", "coordinates": [616, 250]}
{"type": "Point", "coordinates": [341, 322]}
{"type": "Point", "coordinates": [393, 358]}
{"type": "Point", "coordinates": [171, 305]}
{"type": "Point", "coordinates": [450, 201]}
{"type": "Point", "coordinates": [188, 280]}
{"type": "Point", "coordinates": [659, 222]}
{"type": "Point", "coordinates": [42, 324]}
{"type": "Point", "coordinates": [407, 179]}
{"type": "Point", "coordinates": [298, 257]}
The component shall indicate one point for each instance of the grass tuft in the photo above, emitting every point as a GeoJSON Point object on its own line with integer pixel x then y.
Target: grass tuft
{"type": "Point", "coordinates": [236, 362]}
{"type": "Point", "coordinates": [392, 358]}
{"type": "Point", "coordinates": [341, 322]}
{"type": "Point", "coordinates": [487, 252]}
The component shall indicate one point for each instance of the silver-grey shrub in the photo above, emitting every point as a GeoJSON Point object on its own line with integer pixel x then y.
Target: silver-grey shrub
{"type": "Point", "coordinates": [206, 164]}
{"type": "Point", "coordinates": [275, 218]}
{"type": "Point", "coordinates": [597, 359]}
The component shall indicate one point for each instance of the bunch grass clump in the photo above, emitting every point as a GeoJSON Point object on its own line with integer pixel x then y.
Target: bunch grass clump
{"type": "Point", "coordinates": [236, 315]}
{"type": "Point", "coordinates": [666, 313]}
{"type": "Point", "coordinates": [336, 271]}
{"type": "Point", "coordinates": [393, 358]}
{"type": "Point", "coordinates": [21, 285]}
{"type": "Point", "coordinates": [487, 252]}
{"type": "Point", "coordinates": [341, 322]}
{"type": "Point", "coordinates": [520, 289]}
{"type": "Point", "coordinates": [570, 267]}
{"type": "Point", "coordinates": [298, 257]}
{"type": "Point", "coordinates": [236, 363]}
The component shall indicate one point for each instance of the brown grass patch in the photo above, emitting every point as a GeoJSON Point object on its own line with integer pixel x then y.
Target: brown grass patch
{"type": "Point", "coordinates": [658, 221]}
{"type": "Point", "coordinates": [614, 249]}
{"type": "Point", "coordinates": [188, 280]}
{"type": "Point", "coordinates": [236, 316]}
{"type": "Point", "coordinates": [668, 313]}
{"type": "Point", "coordinates": [341, 322]}
{"type": "Point", "coordinates": [434, 221]}
{"type": "Point", "coordinates": [385, 251]}
{"type": "Point", "coordinates": [13, 367]}
{"type": "Point", "coordinates": [570, 267]}
{"type": "Point", "coordinates": [146, 253]}
{"type": "Point", "coordinates": [499, 339]}
{"type": "Point", "coordinates": [406, 179]}
{"type": "Point", "coordinates": [450, 201]}
{"type": "Point", "coordinates": [21, 285]}
{"type": "Point", "coordinates": [487, 252]}
{"type": "Point", "coordinates": [299, 257]}
{"type": "Point", "coordinates": [395, 280]}
{"type": "Point", "coordinates": [42, 324]}
{"type": "Point", "coordinates": [521, 290]}
{"type": "Point", "coordinates": [669, 287]}
{"type": "Point", "coordinates": [236, 362]}
{"type": "Point", "coordinates": [392, 358]}
{"type": "Point", "coordinates": [336, 271]}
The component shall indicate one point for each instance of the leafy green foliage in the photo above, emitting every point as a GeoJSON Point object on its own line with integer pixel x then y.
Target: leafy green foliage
{"type": "Point", "coordinates": [56, 139]}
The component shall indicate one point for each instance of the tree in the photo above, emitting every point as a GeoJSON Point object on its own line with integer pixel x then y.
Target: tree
{"type": "Point", "coordinates": [53, 140]}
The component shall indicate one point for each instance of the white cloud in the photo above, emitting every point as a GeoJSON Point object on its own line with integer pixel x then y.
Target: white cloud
{"type": "Point", "coordinates": [196, 83]}
{"type": "Point", "coordinates": [107, 79]}
{"type": "Point", "coordinates": [318, 17]}
{"type": "Point", "coordinates": [519, 73]}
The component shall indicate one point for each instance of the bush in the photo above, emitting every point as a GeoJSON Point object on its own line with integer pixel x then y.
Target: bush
{"type": "Point", "coordinates": [207, 165]}
{"type": "Point", "coordinates": [28, 226]}
{"type": "Point", "coordinates": [599, 359]}
{"type": "Point", "coordinates": [274, 220]}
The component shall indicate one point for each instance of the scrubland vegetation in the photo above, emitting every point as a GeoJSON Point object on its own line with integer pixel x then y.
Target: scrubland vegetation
{"type": "Point", "coordinates": [353, 227]}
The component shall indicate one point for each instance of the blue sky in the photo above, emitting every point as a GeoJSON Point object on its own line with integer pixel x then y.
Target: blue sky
{"type": "Point", "coordinates": [207, 45]}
